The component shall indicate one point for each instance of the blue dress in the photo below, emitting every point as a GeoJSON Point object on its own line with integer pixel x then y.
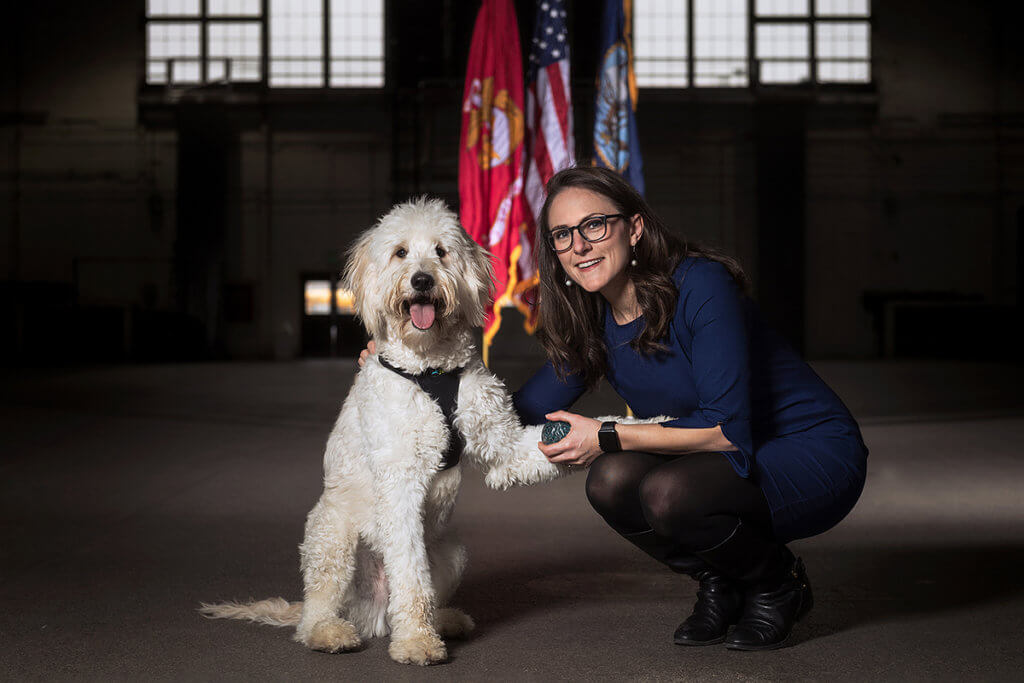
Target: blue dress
{"type": "Point", "coordinates": [726, 366]}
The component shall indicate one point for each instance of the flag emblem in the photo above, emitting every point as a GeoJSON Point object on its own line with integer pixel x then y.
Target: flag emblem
{"type": "Point", "coordinates": [495, 124]}
{"type": "Point", "coordinates": [611, 121]}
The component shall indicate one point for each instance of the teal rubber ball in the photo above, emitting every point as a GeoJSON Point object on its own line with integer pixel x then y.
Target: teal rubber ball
{"type": "Point", "coordinates": [554, 431]}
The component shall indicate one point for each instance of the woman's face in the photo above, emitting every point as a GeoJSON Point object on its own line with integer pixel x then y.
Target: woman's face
{"type": "Point", "coordinates": [593, 265]}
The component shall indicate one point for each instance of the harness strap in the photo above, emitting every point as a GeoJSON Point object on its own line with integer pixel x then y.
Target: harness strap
{"type": "Point", "coordinates": [443, 387]}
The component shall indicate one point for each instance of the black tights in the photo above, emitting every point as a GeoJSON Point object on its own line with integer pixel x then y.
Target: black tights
{"type": "Point", "coordinates": [695, 499]}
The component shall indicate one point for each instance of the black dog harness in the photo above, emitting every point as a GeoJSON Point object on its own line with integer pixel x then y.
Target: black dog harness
{"type": "Point", "coordinates": [443, 387]}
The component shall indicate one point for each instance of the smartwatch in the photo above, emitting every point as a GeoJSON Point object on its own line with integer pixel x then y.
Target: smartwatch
{"type": "Point", "coordinates": [608, 438]}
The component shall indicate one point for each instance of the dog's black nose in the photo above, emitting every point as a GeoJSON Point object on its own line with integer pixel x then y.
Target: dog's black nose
{"type": "Point", "coordinates": [421, 282]}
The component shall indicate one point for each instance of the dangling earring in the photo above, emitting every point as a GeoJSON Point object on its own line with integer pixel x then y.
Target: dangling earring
{"type": "Point", "coordinates": [633, 262]}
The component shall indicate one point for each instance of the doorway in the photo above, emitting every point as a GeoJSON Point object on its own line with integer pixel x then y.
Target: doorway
{"type": "Point", "coordinates": [329, 327]}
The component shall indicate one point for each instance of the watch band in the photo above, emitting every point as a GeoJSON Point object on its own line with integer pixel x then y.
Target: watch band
{"type": "Point", "coordinates": [608, 438]}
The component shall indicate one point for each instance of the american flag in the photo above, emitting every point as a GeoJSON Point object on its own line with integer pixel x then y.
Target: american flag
{"type": "Point", "coordinates": [550, 146]}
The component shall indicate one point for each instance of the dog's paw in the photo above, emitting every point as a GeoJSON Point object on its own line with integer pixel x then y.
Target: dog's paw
{"type": "Point", "coordinates": [333, 635]}
{"type": "Point", "coordinates": [422, 649]}
{"type": "Point", "coordinates": [499, 478]}
{"type": "Point", "coordinates": [453, 623]}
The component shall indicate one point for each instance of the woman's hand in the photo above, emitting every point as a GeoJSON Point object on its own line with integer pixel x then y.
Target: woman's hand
{"type": "Point", "coordinates": [371, 348]}
{"type": "Point", "coordinates": [579, 446]}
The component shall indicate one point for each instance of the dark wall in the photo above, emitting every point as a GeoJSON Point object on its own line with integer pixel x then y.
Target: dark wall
{"type": "Point", "coordinates": [867, 220]}
{"type": "Point", "coordinates": [781, 171]}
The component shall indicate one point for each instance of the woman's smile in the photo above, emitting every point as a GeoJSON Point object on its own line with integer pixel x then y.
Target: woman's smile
{"type": "Point", "coordinates": [589, 264]}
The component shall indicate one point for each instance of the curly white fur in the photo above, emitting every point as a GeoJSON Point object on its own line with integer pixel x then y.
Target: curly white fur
{"type": "Point", "coordinates": [377, 556]}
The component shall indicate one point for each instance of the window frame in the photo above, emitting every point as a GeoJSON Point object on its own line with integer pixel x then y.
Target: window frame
{"type": "Point", "coordinates": [754, 84]}
{"type": "Point", "coordinates": [205, 19]}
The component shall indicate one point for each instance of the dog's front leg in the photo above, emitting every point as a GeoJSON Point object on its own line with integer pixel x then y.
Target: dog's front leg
{"type": "Point", "coordinates": [505, 450]}
{"type": "Point", "coordinates": [399, 518]}
{"type": "Point", "coordinates": [516, 460]}
{"type": "Point", "coordinates": [520, 461]}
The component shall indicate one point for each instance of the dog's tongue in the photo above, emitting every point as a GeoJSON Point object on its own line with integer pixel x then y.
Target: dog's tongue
{"type": "Point", "coordinates": [422, 315]}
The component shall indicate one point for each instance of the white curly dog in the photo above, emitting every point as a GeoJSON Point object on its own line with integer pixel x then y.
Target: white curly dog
{"type": "Point", "coordinates": [378, 556]}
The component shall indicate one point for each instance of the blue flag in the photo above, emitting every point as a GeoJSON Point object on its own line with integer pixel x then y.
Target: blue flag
{"type": "Point", "coordinates": [616, 144]}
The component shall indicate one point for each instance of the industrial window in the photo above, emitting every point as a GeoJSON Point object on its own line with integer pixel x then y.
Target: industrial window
{"type": "Point", "coordinates": [719, 43]}
{"type": "Point", "coordinates": [296, 44]}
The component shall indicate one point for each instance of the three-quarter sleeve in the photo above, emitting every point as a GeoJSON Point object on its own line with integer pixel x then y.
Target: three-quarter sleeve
{"type": "Point", "coordinates": [711, 307]}
{"type": "Point", "coordinates": [545, 393]}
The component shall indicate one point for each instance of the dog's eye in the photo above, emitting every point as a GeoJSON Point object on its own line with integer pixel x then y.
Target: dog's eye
{"type": "Point", "coordinates": [401, 252]}
{"type": "Point", "coordinates": [441, 252]}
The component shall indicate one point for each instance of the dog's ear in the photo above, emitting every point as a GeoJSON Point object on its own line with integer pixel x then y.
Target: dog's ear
{"type": "Point", "coordinates": [479, 275]}
{"type": "Point", "coordinates": [356, 278]}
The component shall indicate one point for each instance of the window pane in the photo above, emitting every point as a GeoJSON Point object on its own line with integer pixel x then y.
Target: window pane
{"type": "Point", "coordinates": [239, 44]}
{"type": "Point", "coordinates": [344, 301]}
{"type": "Point", "coordinates": [357, 43]}
{"type": "Point", "coordinates": [850, 8]}
{"type": "Point", "coordinates": [318, 297]}
{"type": "Point", "coordinates": [716, 73]}
{"type": "Point", "coordinates": [185, 71]}
{"type": "Point", "coordinates": [172, 8]}
{"type": "Point", "coordinates": [850, 39]}
{"type": "Point", "coordinates": [167, 39]}
{"type": "Point", "coordinates": [216, 70]}
{"type": "Point", "coordinates": [659, 43]}
{"type": "Point", "coordinates": [782, 40]}
{"type": "Point", "coordinates": [782, 8]}
{"type": "Point", "coordinates": [844, 72]}
{"type": "Point", "coordinates": [233, 8]}
{"type": "Point", "coordinates": [296, 43]}
{"type": "Point", "coordinates": [777, 72]}
{"type": "Point", "coordinates": [156, 72]}
{"type": "Point", "coordinates": [720, 43]}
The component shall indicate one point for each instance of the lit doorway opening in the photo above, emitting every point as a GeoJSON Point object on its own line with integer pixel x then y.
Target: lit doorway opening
{"type": "Point", "coordinates": [329, 327]}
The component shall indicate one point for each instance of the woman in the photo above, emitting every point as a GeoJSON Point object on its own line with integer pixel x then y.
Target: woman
{"type": "Point", "coordinates": [761, 452]}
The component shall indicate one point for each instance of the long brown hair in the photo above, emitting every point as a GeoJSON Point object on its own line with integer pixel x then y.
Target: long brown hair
{"type": "Point", "coordinates": [572, 320]}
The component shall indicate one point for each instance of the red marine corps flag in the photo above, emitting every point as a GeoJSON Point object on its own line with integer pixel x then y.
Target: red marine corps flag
{"type": "Point", "coordinates": [491, 150]}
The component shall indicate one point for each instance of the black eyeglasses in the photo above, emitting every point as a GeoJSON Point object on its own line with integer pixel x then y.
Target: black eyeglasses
{"type": "Point", "coordinates": [591, 228]}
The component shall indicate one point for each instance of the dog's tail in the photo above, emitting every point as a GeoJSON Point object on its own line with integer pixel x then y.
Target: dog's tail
{"type": "Point", "coordinates": [272, 611]}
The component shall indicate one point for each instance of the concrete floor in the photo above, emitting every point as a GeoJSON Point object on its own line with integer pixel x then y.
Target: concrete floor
{"type": "Point", "coordinates": [130, 494]}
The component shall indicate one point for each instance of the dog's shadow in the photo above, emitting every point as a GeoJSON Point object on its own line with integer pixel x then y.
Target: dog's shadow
{"type": "Point", "coordinates": [500, 595]}
{"type": "Point", "coordinates": [853, 586]}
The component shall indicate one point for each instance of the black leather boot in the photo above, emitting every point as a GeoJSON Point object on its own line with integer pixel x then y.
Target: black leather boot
{"type": "Point", "coordinates": [719, 600]}
{"type": "Point", "coordinates": [718, 606]}
{"type": "Point", "coordinates": [771, 609]}
{"type": "Point", "coordinates": [776, 591]}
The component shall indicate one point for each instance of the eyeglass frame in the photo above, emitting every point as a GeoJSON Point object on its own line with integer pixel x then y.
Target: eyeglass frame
{"type": "Point", "coordinates": [549, 237]}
